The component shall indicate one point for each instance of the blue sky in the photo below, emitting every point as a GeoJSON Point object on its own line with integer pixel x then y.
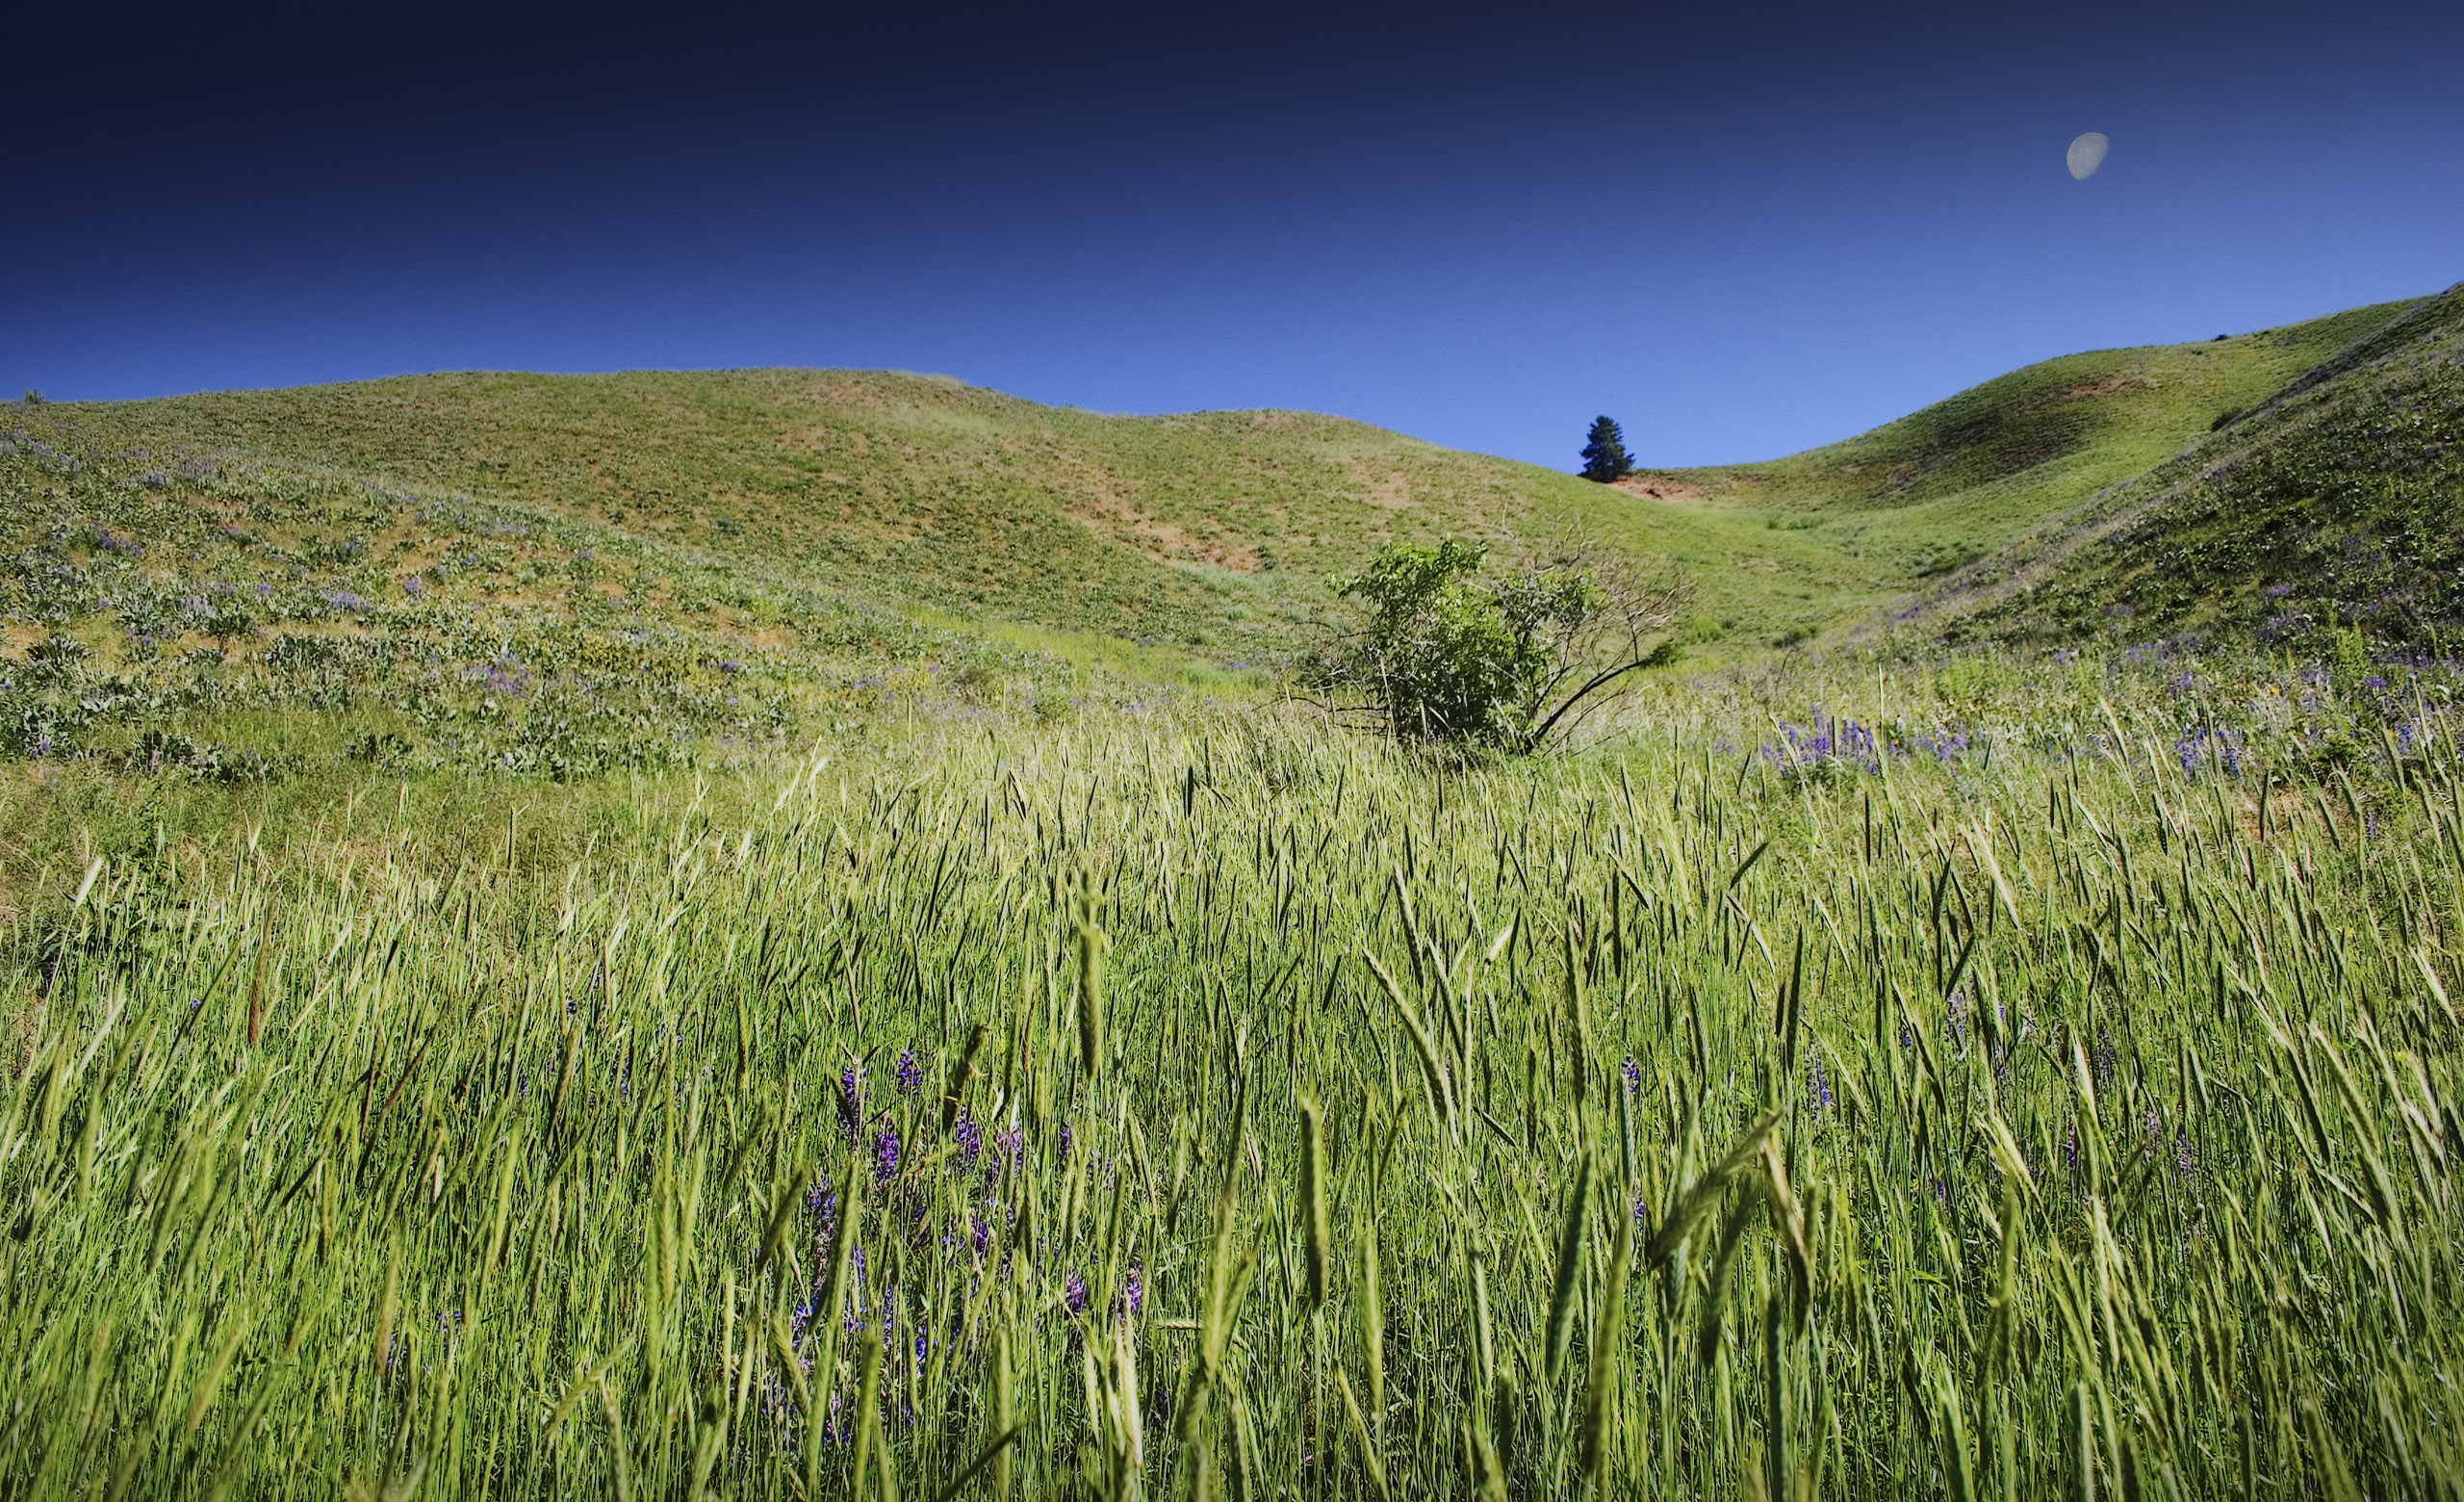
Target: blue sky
{"type": "Point", "coordinates": [1742, 230]}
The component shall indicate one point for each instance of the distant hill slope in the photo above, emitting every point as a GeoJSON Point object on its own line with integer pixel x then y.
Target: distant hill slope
{"type": "Point", "coordinates": [910, 491]}
{"type": "Point", "coordinates": [1212, 531]}
{"type": "Point", "coordinates": [568, 571]}
{"type": "Point", "coordinates": [2338, 496]}
{"type": "Point", "coordinates": [1850, 530]}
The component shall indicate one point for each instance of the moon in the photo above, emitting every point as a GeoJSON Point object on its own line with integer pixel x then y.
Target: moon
{"type": "Point", "coordinates": [2087, 154]}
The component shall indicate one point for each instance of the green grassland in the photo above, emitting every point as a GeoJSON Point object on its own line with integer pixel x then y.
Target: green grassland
{"type": "Point", "coordinates": [902, 490]}
{"type": "Point", "coordinates": [1851, 530]}
{"type": "Point", "coordinates": [2340, 498]}
{"type": "Point", "coordinates": [566, 575]}
{"type": "Point", "coordinates": [771, 934]}
{"type": "Point", "coordinates": [1997, 1093]}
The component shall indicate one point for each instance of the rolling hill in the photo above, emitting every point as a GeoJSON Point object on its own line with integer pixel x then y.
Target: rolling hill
{"type": "Point", "coordinates": [564, 573]}
{"type": "Point", "coordinates": [2337, 498]}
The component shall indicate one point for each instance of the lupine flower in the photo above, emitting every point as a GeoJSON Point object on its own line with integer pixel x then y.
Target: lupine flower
{"type": "Point", "coordinates": [1064, 1142]}
{"type": "Point", "coordinates": [1073, 1294]}
{"type": "Point", "coordinates": [1009, 1151]}
{"type": "Point", "coordinates": [885, 1152]}
{"type": "Point", "coordinates": [1818, 1087]}
{"type": "Point", "coordinates": [1134, 1288]}
{"type": "Point", "coordinates": [2185, 1156]}
{"type": "Point", "coordinates": [851, 1102]}
{"type": "Point", "coordinates": [911, 1074]}
{"type": "Point", "coordinates": [970, 1139]}
{"type": "Point", "coordinates": [1633, 1074]}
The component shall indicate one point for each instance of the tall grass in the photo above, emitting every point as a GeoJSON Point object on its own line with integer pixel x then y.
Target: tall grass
{"type": "Point", "coordinates": [1210, 1109]}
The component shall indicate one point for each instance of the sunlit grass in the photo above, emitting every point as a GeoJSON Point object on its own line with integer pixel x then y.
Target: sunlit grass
{"type": "Point", "coordinates": [2044, 1104]}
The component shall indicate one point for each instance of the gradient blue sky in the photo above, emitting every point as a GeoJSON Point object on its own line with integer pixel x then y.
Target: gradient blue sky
{"type": "Point", "coordinates": [1741, 229]}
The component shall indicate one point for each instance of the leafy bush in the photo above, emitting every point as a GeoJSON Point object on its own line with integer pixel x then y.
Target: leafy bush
{"type": "Point", "coordinates": [1452, 655]}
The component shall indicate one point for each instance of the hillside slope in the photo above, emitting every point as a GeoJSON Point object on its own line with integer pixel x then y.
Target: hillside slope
{"type": "Point", "coordinates": [1849, 531]}
{"type": "Point", "coordinates": [568, 573]}
{"type": "Point", "coordinates": [909, 491]}
{"type": "Point", "coordinates": [2337, 498]}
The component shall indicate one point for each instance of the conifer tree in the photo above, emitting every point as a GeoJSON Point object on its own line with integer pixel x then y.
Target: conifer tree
{"type": "Point", "coordinates": [1603, 456]}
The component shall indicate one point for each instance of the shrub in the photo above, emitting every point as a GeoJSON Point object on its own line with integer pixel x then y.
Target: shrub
{"type": "Point", "coordinates": [1449, 655]}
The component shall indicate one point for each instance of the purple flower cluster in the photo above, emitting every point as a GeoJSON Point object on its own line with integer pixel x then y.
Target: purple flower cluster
{"type": "Point", "coordinates": [851, 1103]}
{"type": "Point", "coordinates": [1826, 739]}
{"type": "Point", "coordinates": [910, 1072]}
{"type": "Point", "coordinates": [1853, 743]}
{"type": "Point", "coordinates": [2201, 744]}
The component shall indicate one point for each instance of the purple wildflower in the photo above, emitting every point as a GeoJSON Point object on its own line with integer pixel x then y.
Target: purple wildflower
{"type": "Point", "coordinates": [911, 1074]}
{"type": "Point", "coordinates": [970, 1139]}
{"type": "Point", "coordinates": [1818, 1087]}
{"type": "Point", "coordinates": [1073, 1294]}
{"type": "Point", "coordinates": [885, 1152]}
{"type": "Point", "coordinates": [1633, 1073]}
{"type": "Point", "coordinates": [851, 1102]}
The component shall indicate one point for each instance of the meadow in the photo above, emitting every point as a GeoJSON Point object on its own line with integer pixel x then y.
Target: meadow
{"type": "Point", "coordinates": [1985, 1078]}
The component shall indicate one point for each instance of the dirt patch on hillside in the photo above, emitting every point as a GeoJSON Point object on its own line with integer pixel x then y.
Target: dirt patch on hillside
{"type": "Point", "coordinates": [1166, 541]}
{"type": "Point", "coordinates": [2124, 381]}
{"type": "Point", "coordinates": [1391, 491]}
{"type": "Point", "coordinates": [1657, 488]}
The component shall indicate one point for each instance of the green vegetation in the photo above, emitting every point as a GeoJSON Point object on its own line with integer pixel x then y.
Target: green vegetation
{"type": "Point", "coordinates": [1603, 452]}
{"type": "Point", "coordinates": [765, 934]}
{"type": "Point", "coordinates": [1453, 657]}
{"type": "Point", "coordinates": [1984, 1087]}
{"type": "Point", "coordinates": [2336, 501]}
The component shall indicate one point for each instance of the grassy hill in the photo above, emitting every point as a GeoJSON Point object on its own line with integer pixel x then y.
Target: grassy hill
{"type": "Point", "coordinates": [2339, 496]}
{"type": "Point", "coordinates": [567, 574]}
{"type": "Point", "coordinates": [1837, 535]}
{"type": "Point", "coordinates": [902, 490]}
{"type": "Point", "coordinates": [573, 573]}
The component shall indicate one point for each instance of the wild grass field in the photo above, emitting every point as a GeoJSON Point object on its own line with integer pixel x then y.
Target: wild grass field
{"type": "Point", "coordinates": [782, 934]}
{"type": "Point", "coordinates": [1985, 1084]}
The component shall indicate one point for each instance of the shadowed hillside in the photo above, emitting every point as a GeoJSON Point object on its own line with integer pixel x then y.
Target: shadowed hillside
{"type": "Point", "coordinates": [2337, 498]}
{"type": "Point", "coordinates": [1850, 530]}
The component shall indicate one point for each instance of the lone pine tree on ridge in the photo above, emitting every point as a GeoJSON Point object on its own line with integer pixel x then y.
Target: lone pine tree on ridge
{"type": "Point", "coordinates": [1604, 454]}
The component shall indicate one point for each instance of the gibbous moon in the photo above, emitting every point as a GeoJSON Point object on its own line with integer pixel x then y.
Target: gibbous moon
{"type": "Point", "coordinates": [2087, 154]}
